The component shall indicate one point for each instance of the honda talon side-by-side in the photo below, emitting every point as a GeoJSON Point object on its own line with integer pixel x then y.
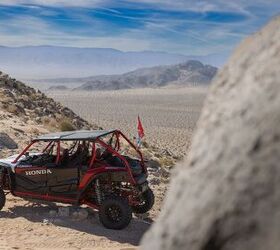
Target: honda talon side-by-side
{"type": "Point", "coordinates": [101, 169]}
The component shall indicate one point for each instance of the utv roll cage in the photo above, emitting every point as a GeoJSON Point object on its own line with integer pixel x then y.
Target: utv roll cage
{"type": "Point", "coordinates": [94, 136]}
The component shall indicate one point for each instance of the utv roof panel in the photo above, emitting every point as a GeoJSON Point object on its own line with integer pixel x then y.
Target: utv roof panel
{"type": "Point", "coordinates": [74, 135]}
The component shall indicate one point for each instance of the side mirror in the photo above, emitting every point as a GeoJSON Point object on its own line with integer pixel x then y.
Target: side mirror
{"type": "Point", "coordinates": [26, 154]}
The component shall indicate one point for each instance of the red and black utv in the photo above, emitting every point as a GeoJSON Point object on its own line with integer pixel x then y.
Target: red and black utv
{"type": "Point", "coordinates": [101, 169]}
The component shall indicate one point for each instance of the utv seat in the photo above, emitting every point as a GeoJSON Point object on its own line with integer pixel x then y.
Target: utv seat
{"type": "Point", "coordinates": [80, 158]}
{"type": "Point", "coordinates": [43, 160]}
{"type": "Point", "coordinates": [65, 158]}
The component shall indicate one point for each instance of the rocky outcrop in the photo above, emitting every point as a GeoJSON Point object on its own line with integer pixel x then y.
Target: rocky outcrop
{"type": "Point", "coordinates": [7, 142]}
{"type": "Point", "coordinates": [21, 100]}
{"type": "Point", "coordinates": [227, 195]}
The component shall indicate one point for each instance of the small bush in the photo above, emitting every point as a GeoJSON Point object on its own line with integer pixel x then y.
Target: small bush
{"type": "Point", "coordinates": [46, 120]}
{"type": "Point", "coordinates": [34, 131]}
{"type": "Point", "coordinates": [145, 144]}
{"type": "Point", "coordinates": [166, 162]}
{"type": "Point", "coordinates": [12, 109]}
{"type": "Point", "coordinates": [53, 124]}
{"type": "Point", "coordinates": [66, 126]}
{"type": "Point", "coordinates": [33, 96]}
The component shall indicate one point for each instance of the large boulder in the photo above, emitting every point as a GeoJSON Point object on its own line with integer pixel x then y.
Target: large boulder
{"type": "Point", "coordinates": [227, 194]}
{"type": "Point", "coordinates": [7, 142]}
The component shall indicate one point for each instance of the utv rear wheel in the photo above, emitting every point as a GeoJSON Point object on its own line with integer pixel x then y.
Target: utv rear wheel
{"type": "Point", "coordinates": [148, 200]}
{"type": "Point", "coordinates": [2, 198]}
{"type": "Point", "coordinates": [115, 213]}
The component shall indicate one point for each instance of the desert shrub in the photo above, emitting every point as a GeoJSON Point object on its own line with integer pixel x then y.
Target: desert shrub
{"type": "Point", "coordinates": [46, 120]}
{"type": "Point", "coordinates": [166, 162]}
{"type": "Point", "coordinates": [35, 131]}
{"type": "Point", "coordinates": [33, 96]}
{"type": "Point", "coordinates": [147, 153]}
{"type": "Point", "coordinates": [145, 144]}
{"type": "Point", "coordinates": [66, 126]}
{"type": "Point", "coordinates": [53, 124]}
{"type": "Point", "coordinates": [11, 108]}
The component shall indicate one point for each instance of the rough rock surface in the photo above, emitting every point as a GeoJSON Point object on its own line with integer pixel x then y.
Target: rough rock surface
{"type": "Point", "coordinates": [227, 195]}
{"type": "Point", "coordinates": [22, 101]}
{"type": "Point", "coordinates": [7, 142]}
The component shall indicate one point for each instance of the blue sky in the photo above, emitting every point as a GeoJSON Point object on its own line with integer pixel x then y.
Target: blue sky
{"type": "Point", "coordinates": [178, 26]}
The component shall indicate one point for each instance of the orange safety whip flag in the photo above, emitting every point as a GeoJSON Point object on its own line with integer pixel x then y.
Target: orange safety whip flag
{"type": "Point", "coordinates": [141, 132]}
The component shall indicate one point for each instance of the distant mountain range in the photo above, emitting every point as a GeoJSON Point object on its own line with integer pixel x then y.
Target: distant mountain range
{"type": "Point", "coordinates": [189, 73]}
{"type": "Point", "coordinates": [37, 62]}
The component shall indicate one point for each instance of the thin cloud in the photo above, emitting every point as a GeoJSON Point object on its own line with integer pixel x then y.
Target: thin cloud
{"type": "Point", "coordinates": [201, 5]}
{"type": "Point", "coordinates": [182, 26]}
{"type": "Point", "coordinates": [73, 3]}
{"type": "Point", "coordinates": [34, 31]}
{"type": "Point", "coordinates": [206, 5]}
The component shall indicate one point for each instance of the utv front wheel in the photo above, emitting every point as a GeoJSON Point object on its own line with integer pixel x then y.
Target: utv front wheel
{"type": "Point", "coordinates": [115, 213]}
{"type": "Point", "coordinates": [2, 198]}
{"type": "Point", "coordinates": [148, 200]}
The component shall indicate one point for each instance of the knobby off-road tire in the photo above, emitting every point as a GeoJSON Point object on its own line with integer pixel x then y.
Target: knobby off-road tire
{"type": "Point", "coordinates": [115, 213]}
{"type": "Point", "coordinates": [148, 202]}
{"type": "Point", "coordinates": [2, 198]}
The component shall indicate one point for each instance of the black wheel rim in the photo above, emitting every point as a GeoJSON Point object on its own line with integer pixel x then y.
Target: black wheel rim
{"type": "Point", "coordinates": [114, 213]}
{"type": "Point", "coordinates": [143, 201]}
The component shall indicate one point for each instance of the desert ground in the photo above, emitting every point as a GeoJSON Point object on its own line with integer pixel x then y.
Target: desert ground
{"type": "Point", "coordinates": [27, 225]}
{"type": "Point", "coordinates": [168, 115]}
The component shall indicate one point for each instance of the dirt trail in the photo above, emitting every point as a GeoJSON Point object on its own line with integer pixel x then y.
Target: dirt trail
{"type": "Point", "coordinates": [25, 225]}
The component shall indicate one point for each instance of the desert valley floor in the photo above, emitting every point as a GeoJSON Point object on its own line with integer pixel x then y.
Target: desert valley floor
{"type": "Point", "coordinates": [168, 115]}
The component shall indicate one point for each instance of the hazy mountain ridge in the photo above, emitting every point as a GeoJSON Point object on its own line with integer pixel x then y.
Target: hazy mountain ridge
{"type": "Point", "coordinates": [190, 73]}
{"type": "Point", "coordinates": [52, 62]}
{"type": "Point", "coordinates": [37, 62]}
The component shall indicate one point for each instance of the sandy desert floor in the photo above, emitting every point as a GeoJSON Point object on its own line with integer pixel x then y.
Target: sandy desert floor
{"type": "Point", "coordinates": [169, 115]}
{"type": "Point", "coordinates": [27, 225]}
